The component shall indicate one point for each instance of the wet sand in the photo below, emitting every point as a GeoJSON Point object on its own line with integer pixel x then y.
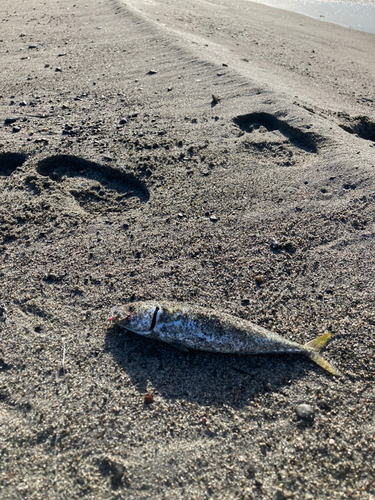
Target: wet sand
{"type": "Point", "coordinates": [123, 179]}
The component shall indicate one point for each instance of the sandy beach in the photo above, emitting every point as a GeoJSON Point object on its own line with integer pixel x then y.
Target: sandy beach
{"type": "Point", "coordinates": [219, 153]}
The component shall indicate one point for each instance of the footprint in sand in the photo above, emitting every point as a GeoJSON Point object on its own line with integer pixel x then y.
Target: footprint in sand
{"type": "Point", "coordinates": [267, 132]}
{"type": "Point", "coordinates": [95, 187]}
{"type": "Point", "coordinates": [9, 162]}
{"type": "Point", "coordinates": [361, 126]}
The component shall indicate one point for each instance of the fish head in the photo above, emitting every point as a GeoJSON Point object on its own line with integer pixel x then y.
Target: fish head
{"type": "Point", "coordinates": [138, 317]}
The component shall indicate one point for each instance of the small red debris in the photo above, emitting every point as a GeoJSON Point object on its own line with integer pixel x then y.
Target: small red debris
{"type": "Point", "coordinates": [148, 398]}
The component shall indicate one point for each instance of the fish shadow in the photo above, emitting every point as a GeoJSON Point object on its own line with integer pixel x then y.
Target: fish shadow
{"type": "Point", "coordinates": [204, 378]}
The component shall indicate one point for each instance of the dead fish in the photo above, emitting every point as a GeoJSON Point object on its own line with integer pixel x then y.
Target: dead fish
{"type": "Point", "coordinates": [189, 326]}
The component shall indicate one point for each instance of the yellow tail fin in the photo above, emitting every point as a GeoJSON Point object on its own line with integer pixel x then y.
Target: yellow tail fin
{"type": "Point", "coordinates": [313, 349]}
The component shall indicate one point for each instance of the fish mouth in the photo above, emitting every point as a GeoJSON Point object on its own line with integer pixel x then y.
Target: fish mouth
{"type": "Point", "coordinates": [118, 317]}
{"type": "Point", "coordinates": [125, 318]}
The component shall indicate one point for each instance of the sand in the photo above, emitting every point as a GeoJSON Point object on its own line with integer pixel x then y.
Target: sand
{"type": "Point", "coordinates": [123, 179]}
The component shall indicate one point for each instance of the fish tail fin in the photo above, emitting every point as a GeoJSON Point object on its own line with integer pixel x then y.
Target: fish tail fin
{"type": "Point", "coordinates": [313, 350]}
{"type": "Point", "coordinates": [318, 343]}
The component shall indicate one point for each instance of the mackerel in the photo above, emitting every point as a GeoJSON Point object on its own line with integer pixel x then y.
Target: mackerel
{"type": "Point", "coordinates": [192, 327]}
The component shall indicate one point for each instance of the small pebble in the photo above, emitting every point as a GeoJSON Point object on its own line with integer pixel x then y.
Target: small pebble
{"type": "Point", "coordinates": [16, 129]}
{"type": "Point", "coordinates": [213, 218]}
{"type": "Point", "coordinates": [23, 488]}
{"type": "Point", "coordinates": [123, 121]}
{"type": "Point", "coordinates": [324, 405]}
{"type": "Point", "coordinates": [11, 119]}
{"type": "Point", "coordinates": [152, 72]}
{"type": "Point", "coordinates": [275, 245]}
{"type": "Point", "coordinates": [117, 471]}
{"type": "Point", "coordinates": [305, 411]}
{"type": "Point", "coordinates": [3, 312]}
{"type": "Point", "coordinates": [287, 494]}
{"type": "Point", "coordinates": [283, 494]}
{"type": "Point", "coordinates": [58, 69]}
